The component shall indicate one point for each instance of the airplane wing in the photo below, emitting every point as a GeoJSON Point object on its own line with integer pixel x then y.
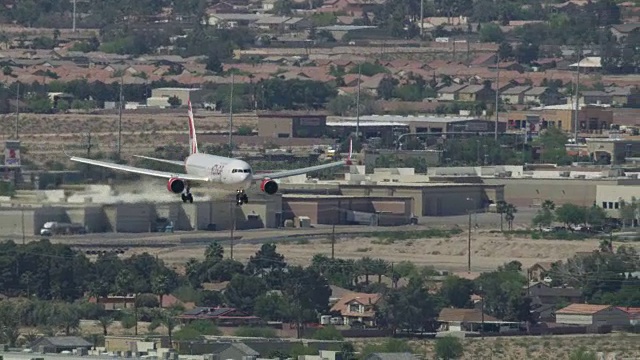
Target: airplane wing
{"type": "Point", "coordinates": [136, 170]}
{"type": "Point", "coordinates": [166, 161]}
{"type": "Point", "coordinates": [287, 173]}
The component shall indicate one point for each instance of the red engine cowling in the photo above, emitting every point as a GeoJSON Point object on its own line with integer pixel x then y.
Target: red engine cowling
{"type": "Point", "coordinates": [269, 186]}
{"type": "Point", "coordinates": [176, 185]}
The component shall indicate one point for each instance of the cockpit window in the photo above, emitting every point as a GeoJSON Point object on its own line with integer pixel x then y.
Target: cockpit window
{"type": "Point", "coordinates": [248, 171]}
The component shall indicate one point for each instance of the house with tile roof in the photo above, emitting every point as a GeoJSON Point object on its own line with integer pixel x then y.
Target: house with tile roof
{"type": "Point", "coordinates": [357, 308]}
{"type": "Point", "coordinates": [588, 314]}
{"type": "Point", "coordinates": [457, 320]}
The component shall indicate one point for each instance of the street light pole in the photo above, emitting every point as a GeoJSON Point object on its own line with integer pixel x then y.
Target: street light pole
{"type": "Point", "coordinates": [469, 241]}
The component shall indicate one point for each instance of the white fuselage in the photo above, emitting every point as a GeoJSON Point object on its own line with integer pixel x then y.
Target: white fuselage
{"type": "Point", "coordinates": [232, 174]}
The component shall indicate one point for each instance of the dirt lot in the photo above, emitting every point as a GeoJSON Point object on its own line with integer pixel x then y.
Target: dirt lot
{"type": "Point", "coordinates": [626, 346]}
{"type": "Point", "coordinates": [488, 250]}
{"type": "Point", "coordinates": [43, 134]}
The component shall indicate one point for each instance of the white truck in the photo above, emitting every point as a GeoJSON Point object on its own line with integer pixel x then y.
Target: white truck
{"type": "Point", "coordinates": [57, 228]}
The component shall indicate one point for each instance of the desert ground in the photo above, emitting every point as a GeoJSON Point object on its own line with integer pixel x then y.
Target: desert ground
{"type": "Point", "coordinates": [141, 132]}
{"type": "Point", "coordinates": [488, 250]}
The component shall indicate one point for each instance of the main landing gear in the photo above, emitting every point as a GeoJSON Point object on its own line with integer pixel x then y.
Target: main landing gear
{"type": "Point", "coordinates": [241, 197]}
{"type": "Point", "coordinates": [186, 195]}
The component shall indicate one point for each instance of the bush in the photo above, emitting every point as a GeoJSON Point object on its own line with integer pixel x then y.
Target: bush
{"type": "Point", "coordinates": [205, 327]}
{"type": "Point", "coordinates": [448, 347]}
{"type": "Point", "coordinates": [390, 237]}
{"type": "Point", "coordinates": [328, 333]}
{"type": "Point", "coordinates": [187, 334]}
{"type": "Point", "coordinates": [256, 332]}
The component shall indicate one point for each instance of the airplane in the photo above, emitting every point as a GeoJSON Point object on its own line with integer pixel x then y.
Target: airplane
{"type": "Point", "coordinates": [226, 173]}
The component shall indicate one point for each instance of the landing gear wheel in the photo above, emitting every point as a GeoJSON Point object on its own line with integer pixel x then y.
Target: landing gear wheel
{"type": "Point", "coordinates": [184, 197]}
{"type": "Point", "coordinates": [244, 198]}
{"type": "Point", "coordinates": [190, 198]}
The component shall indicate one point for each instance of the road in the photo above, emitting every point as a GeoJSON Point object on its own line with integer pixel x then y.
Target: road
{"type": "Point", "coordinates": [257, 236]}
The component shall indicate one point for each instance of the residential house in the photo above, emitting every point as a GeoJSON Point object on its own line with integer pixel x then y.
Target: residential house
{"type": "Point", "coordinates": [282, 23]}
{"type": "Point", "coordinates": [621, 31]}
{"type": "Point", "coordinates": [508, 66]}
{"type": "Point", "coordinates": [514, 95]}
{"type": "Point", "coordinates": [357, 308]}
{"type": "Point", "coordinates": [588, 64]}
{"type": "Point", "coordinates": [233, 20]}
{"type": "Point", "coordinates": [595, 97]}
{"type": "Point", "coordinates": [628, 96]}
{"type": "Point", "coordinates": [450, 93]}
{"type": "Point", "coordinates": [222, 316]}
{"type": "Point", "coordinates": [57, 344]}
{"type": "Point", "coordinates": [236, 351]}
{"type": "Point", "coordinates": [352, 7]}
{"type": "Point", "coordinates": [484, 60]}
{"type": "Point", "coordinates": [115, 302]}
{"type": "Point", "coordinates": [545, 64]}
{"type": "Point", "coordinates": [633, 313]}
{"type": "Point", "coordinates": [222, 7]}
{"type": "Point", "coordinates": [586, 314]}
{"type": "Point", "coordinates": [371, 84]}
{"type": "Point", "coordinates": [539, 270]}
{"type": "Point", "coordinates": [391, 356]}
{"type": "Point", "coordinates": [542, 95]}
{"type": "Point", "coordinates": [542, 293]}
{"type": "Point", "coordinates": [268, 5]}
{"type": "Point", "coordinates": [476, 93]}
{"type": "Point", "coordinates": [463, 320]}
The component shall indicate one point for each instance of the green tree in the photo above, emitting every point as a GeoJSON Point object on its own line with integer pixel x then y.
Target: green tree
{"type": "Point", "coordinates": [214, 252]}
{"type": "Point", "coordinates": [283, 7]}
{"type": "Point", "coordinates": [243, 290]}
{"type": "Point", "coordinates": [501, 208]}
{"type": "Point", "coordinates": [544, 216]}
{"type": "Point", "coordinates": [387, 87]}
{"type": "Point", "coordinates": [628, 211]}
{"type": "Point", "coordinates": [272, 307]}
{"type": "Point", "coordinates": [160, 286]}
{"type": "Point", "coordinates": [509, 215]}
{"type": "Point", "coordinates": [571, 214]}
{"type": "Point", "coordinates": [491, 32]}
{"type": "Point", "coordinates": [502, 293]}
{"type": "Point", "coordinates": [214, 64]}
{"type": "Point", "coordinates": [448, 348]}
{"type": "Point", "coordinates": [410, 307]}
{"type": "Point", "coordinates": [327, 333]}
{"type": "Point", "coordinates": [456, 292]}
{"type": "Point", "coordinates": [266, 259]}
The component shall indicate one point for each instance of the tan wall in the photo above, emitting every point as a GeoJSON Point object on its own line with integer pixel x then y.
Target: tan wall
{"type": "Point", "coordinates": [452, 200]}
{"type": "Point", "coordinates": [532, 192]}
{"type": "Point", "coordinates": [313, 210]}
{"type": "Point", "coordinates": [271, 127]}
{"type": "Point", "coordinates": [609, 196]}
{"type": "Point", "coordinates": [566, 116]}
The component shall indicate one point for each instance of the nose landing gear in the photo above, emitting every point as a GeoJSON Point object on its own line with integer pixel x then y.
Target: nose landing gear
{"type": "Point", "coordinates": [241, 197]}
{"type": "Point", "coordinates": [186, 196]}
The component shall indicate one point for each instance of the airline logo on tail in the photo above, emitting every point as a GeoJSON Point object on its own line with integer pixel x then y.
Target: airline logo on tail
{"type": "Point", "coordinates": [193, 143]}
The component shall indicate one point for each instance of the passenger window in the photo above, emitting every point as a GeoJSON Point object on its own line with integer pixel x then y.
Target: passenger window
{"type": "Point", "coordinates": [233, 171]}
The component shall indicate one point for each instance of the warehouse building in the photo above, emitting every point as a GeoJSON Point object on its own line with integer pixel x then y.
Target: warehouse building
{"type": "Point", "coordinates": [292, 124]}
{"type": "Point", "coordinates": [435, 124]}
{"type": "Point", "coordinates": [160, 96]}
{"type": "Point", "coordinates": [585, 314]}
{"type": "Point", "coordinates": [343, 210]}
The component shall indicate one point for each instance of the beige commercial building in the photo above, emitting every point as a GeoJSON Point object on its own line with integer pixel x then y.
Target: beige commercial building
{"type": "Point", "coordinates": [341, 209]}
{"type": "Point", "coordinates": [609, 197]}
{"type": "Point", "coordinates": [143, 217]}
{"type": "Point", "coordinates": [612, 149]}
{"type": "Point", "coordinates": [184, 94]}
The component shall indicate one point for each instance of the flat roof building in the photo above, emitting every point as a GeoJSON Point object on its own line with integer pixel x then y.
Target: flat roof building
{"type": "Point", "coordinates": [434, 123]}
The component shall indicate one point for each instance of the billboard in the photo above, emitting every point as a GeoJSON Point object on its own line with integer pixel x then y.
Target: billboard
{"type": "Point", "coordinates": [12, 153]}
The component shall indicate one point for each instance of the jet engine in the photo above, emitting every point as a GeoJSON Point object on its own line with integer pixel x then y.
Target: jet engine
{"type": "Point", "coordinates": [176, 185]}
{"type": "Point", "coordinates": [269, 186]}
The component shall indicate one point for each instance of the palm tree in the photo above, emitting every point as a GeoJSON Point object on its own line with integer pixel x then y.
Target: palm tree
{"type": "Point", "coordinates": [169, 321]}
{"type": "Point", "coordinates": [510, 215]}
{"type": "Point", "coordinates": [501, 208]}
{"type": "Point", "coordinates": [105, 322]}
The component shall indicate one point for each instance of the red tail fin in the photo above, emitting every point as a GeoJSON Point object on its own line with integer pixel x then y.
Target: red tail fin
{"type": "Point", "coordinates": [193, 143]}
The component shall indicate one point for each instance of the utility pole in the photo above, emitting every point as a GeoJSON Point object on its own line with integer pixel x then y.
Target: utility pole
{"type": "Point", "coordinates": [333, 241]}
{"type": "Point", "coordinates": [74, 16]}
{"type": "Point", "coordinates": [231, 120]}
{"type": "Point", "coordinates": [89, 145]}
{"type": "Point", "coordinates": [23, 233]}
{"type": "Point", "coordinates": [469, 246]}
{"type": "Point", "coordinates": [120, 101]}
{"type": "Point", "coordinates": [17, 109]}
{"type": "Point", "coordinates": [497, 94]}
{"type": "Point", "coordinates": [575, 134]}
{"type": "Point", "coordinates": [421, 18]}
{"type": "Point", "coordinates": [358, 103]}
{"type": "Point", "coordinates": [469, 241]}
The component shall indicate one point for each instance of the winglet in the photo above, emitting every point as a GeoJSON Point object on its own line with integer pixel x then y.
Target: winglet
{"type": "Point", "coordinates": [349, 162]}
